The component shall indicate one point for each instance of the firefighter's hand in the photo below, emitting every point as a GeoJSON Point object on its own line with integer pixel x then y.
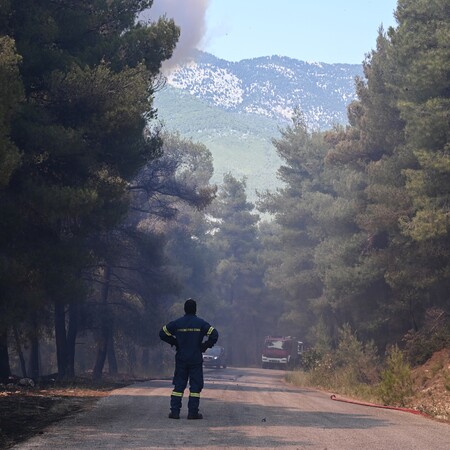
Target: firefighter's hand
{"type": "Point", "coordinates": [174, 343]}
{"type": "Point", "coordinates": [204, 346]}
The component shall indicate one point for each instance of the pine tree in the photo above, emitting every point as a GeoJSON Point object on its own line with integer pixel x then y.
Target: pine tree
{"type": "Point", "coordinates": [292, 274]}
{"type": "Point", "coordinates": [237, 276]}
{"type": "Point", "coordinates": [87, 68]}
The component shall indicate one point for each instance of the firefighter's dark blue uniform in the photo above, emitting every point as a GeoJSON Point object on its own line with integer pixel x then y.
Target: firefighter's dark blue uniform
{"type": "Point", "coordinates": [186, 334]}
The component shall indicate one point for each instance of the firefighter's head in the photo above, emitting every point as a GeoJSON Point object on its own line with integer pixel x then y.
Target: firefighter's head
{"type": "Point", "coordinates": [190, 306]}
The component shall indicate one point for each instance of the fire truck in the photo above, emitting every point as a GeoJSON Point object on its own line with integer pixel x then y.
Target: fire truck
{"type": "Point", "coordinates": [281, 352]}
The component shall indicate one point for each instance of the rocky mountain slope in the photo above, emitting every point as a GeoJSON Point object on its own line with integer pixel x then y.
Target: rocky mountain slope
{"type": "Point", "coordinates": [237, 108]}
{"type": "Point", "coordinates": [272, 86]}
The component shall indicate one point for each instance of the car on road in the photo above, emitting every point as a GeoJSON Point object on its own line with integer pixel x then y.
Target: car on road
{"type": "Point", "coordinates": [215, 357]}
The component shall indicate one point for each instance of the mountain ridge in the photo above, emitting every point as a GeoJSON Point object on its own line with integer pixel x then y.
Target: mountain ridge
{"type": "Point", "coordinates": [273, 86]}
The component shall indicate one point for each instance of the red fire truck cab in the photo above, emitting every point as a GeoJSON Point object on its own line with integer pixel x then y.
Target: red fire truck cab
{"type": "Point", "coordinates": [281, 352]}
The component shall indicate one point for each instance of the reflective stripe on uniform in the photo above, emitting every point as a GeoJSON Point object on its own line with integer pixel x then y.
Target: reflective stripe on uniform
{"type": "Point", "coordinates": [177, 394]}
{"type": "Point", "coordinates": [194, 394]}
{"type": "Point", "coordinates": [166, 331]}
{"type": "Point", "coordinates": [211, 329]}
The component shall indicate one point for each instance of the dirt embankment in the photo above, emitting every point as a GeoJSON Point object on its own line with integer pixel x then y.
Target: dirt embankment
{"type": "Point", "coordinates": [432, 386]}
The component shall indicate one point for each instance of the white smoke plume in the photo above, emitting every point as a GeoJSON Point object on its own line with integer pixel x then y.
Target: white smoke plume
{"type": "Point", "coordinates": [189, 15]}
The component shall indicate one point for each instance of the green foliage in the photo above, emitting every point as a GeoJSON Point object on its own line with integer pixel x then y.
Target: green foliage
{"type": "Point", "coordinates": [360, 236]}
{"type": "Point", "coordinates": [351, 369]}
{"type": "Point", "coordinates": [396, 384]}
{"type": "Point", "coordinates": [238, 272]}
{"type": "Point", "coordinates": [321, 338]}
{"type": "Point", "coordinates": [293, 276]}
{"type": "Point", "coordinates": [74, 115]}
{"type": "Point", "coordinates": [364, 216]}
{"type": "Point", "coordinates": [311, 359]}
{"type": "Point", "coordinates": [420, 46]}
{"type": "Point", "coordinates": [359, 359]}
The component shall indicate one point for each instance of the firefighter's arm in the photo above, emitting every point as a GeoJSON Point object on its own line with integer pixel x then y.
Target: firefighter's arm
{"type": "Point", "coordinates": [165, 334]}
{"type": "Point", "coordinates": [212, 335]}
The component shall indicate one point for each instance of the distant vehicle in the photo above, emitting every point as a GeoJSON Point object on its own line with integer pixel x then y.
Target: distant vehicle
{"type": "Point", "coordinates": [215, 357]}
{"type": "Point", "coordinates": [281, 352]}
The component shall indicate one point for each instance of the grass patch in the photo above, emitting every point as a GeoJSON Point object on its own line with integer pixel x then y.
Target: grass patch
{"type": "Point", "coordinates": [340, 382]}
{"type": "Point", "coordinates": [354, 369]}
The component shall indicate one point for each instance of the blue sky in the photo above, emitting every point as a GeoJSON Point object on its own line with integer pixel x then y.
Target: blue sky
{"type": "Point", "coordinates": [327, 31]}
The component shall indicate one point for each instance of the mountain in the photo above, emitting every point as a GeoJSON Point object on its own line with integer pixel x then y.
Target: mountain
{"type": "Point", "coordinates": [271, 86]}
{"type": "Point", "coordinates": [237, 108]}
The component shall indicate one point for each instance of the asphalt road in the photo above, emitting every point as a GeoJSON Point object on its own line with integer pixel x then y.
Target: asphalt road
{"type": "Point", "coordinates": [242, 408]}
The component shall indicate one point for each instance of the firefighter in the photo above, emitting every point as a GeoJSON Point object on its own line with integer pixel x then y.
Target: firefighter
{"type": "Point", "coordinates": [186, 334]}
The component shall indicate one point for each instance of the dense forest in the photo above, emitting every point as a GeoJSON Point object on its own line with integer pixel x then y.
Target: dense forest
{"type": "Point", "coordinates": [109, 222]}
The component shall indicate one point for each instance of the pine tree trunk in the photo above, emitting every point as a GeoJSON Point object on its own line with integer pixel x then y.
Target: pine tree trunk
{"type": "Point", "coordinates": [34, 351]}
{"type": "Point", "coordinates": [112, 360]}
{"type": "Point", "coordinates": [20, 352]}
{"type": "Point", "coordinates": [71, 339]}
{"type": "Point", "coordinates": [61, 340]}
{"type": "Point", "coordinates": [103, 337]}
{"type": "Point", "coordinates": [102, 345]}
{"type": "Point", "coordinates": [34, 357]}
{"type": "Point", "coordinates": [5, 370]}
{"type": "Point", "coordinates": [131, 358]}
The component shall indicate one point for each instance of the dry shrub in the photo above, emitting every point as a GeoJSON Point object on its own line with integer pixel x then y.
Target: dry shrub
{"type": "Point", "coordinates": [432, 337]}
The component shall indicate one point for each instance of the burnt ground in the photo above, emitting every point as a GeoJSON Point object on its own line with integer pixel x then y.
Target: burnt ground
{"type": "Point", "coordinates": [26, 411]}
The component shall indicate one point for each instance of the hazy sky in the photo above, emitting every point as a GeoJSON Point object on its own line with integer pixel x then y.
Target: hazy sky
{"type": "Point", "coordinates": [310, 30]}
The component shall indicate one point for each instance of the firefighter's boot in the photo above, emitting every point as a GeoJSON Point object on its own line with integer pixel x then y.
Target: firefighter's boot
{"type": "Point", "coordinates": [175, 404]}
{"type": "Point", "coordinates": [194, 416]}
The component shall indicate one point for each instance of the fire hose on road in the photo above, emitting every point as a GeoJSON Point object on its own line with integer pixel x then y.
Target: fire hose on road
{"type": "Point", "coordinates": [374, 405]}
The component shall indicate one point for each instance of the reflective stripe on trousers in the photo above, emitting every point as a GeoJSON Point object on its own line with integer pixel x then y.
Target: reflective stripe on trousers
{"type": "Point", "coordinates": [183, 374]}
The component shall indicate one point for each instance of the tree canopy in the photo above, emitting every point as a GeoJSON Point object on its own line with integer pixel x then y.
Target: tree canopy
{"type": "Point", "coordinates": [109, 222]}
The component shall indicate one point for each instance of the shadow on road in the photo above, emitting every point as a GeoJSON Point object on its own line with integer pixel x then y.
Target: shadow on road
{"type": "Point", "coordinates": [224, 425]}
{"type": "Point", "coordinates": [136, 417]}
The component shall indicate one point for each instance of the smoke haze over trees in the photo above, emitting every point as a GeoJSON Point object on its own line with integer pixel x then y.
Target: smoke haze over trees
{"type": "Point", "coordinates": [109, 223]}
